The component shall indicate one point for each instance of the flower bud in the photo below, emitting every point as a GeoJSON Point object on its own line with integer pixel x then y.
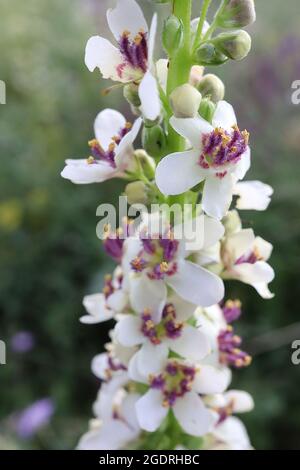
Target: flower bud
{"type": "Point", "coordinates": [131, 94]}
{"type": "Point", "coordinates": [207, 109]}
{"type": "Point", "coordinates": [237, 14]}
{"type": "Point", "coordinates": [196, 75]}
{"type": "Point", "coordinates": [212, 87]}
{"type": "Point", "coordinates": [232, 222]}
{"type": "Point", "coordinates": [207, 54]}
{"type": "Point", "coordinates": [235, 45]}
{"type": "Point", "coordinates": [137, 193]}
{"type": "Point", "coordinates": [172, 36]}
{"type": "Point", "coordinates": [146, 162]}
{"type": "Point", "coordinates": [154, 140]}
{"type": "Point", "coordinates": [185, 101]}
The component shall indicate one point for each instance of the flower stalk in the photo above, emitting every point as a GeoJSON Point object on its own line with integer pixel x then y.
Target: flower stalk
{"type": "Point", "coordinates": [166, 371]}
{"type": "Point", "coordinates": [180, 64]}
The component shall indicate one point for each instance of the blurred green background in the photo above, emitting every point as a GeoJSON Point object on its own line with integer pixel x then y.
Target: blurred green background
{"type": "Point", "coordinates": [49, 254]}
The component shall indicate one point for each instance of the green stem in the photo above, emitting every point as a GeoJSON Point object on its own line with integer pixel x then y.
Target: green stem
{"type": "Point", "coordinates": [180, 65]}
{"type": "Point", "coordinates": [205, 7]}
{"type": "Point", "coordinates": [214, 24]}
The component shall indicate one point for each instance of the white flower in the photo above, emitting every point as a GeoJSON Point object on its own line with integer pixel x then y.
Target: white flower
{"type": "Point", "coordinates": [116, 422]}
{"type": "Point", "coordinates": [253, 195]}
{"type": "Point", "coordinates": [220, 156]}
{"type": "Point", "coordinates": [224, 343]}
{"type": "Point", "coordinates": [111, 150]}
{"type": "Point", "coordinates": [173, 331]}
{"type": "Point", "coordinates": [230, 435]}
{"type": "Point", "coordinates": [104, 306]}
{"type": "Point", "coordinates": [244, 258]}
{"type": "Point", "coordinates": [107, 367]}
{"type": "Point", "coordinates": [174, 385]}
{"type": "Point", "coordinates": [154, 261]}
{"type": "Point", "coordinates": [116, 428]}
{"type": "Point", "coordinates": [233, 401]}
{"type": "Point", "coordinates": [229, 432]}
{"type": "Point", "coordinates": [132, 59]}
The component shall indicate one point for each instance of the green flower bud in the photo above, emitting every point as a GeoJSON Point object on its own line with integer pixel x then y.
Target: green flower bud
{"type": "Point", "coordinates": [172, 36]}
{"type": "Point", "coordinates": [235, 45]}
{"type": "Point", "coordinates": [207, 109]}
{"type": "Point", "coordinates": [237, 14]}
{"type": "Point", "coordinates": [232, 222]}
{"type": "Point", "coordinates": [137, 193]}
{"type": "Point", "coordinates": [207, 54]}
{"type": "Point", "coordinates": [154, 140]}
{"type": "Point", "coordinates": [212, 87]}
{"type": "Point", "coordinates": [185, 101]}
{"type": "Point", "coordinates": [146, 162]}
{"type": "Point", "coordinates": [131, 94]}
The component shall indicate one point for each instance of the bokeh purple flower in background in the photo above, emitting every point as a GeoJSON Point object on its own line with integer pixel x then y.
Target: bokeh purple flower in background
{"type": "Point", "coordinates": [22, 342]}
{"type": "Point", "coordinates": [36, 416]}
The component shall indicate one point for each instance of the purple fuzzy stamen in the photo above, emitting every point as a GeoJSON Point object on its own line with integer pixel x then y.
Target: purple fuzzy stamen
{"type": "Point", "coordinates": [135, 52]}
{"type": "Point", "coordinates": [232, 310]}
{"type": "Point", "coordinates": [99, 154]}
{"type": "Point", "coordinates": [221, 148]}
{"type": "Point", "coordinates": [230, 354]}
{"type": "Point", "coordinates": [174, 382]}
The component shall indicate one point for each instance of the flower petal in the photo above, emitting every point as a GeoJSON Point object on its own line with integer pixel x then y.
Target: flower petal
{"type": "Point", "coordinates": [197, 285]}
{"type": "Point", "coordinates": [81, 172]}
{"type": "Point", "coordinates": [179, 172]}
{"type": "Point", "coordinates": [253, 195]}
{"type": "Point", "coordinates": [233, 432]}
{"type": "Point", "coordinates": [184, 309]}
{"type": "Point", "coordinates": [224, 116]}
{"type": "Point", "coordinates": [217, 195]}
{"type": "Point", "coordinates": [96, 307]}
{"type": "Point", "coordinates": [114, 434]}
{"type": "Point", "coordinates": [126, 16]}
{"type": "Point", "coordinates": [211, 379]}
{"type": "Point", "coordinates": [151, 40]}
{"type": "Point", "coordinates": [263, 290]}
{"type": "Point", "coordinates": [101, 53]}
{"type": "Point", "coordinates": [152, 359]}
{"type": "Point", "coordinates": [134, 371]}
{"type": "Point", "coordinates": [213, 232]}
{"type": "Point", "coordinates": [240, 243]}
{"type": "Point", "coordinates": [191, 344]}
{"type": "Point", "coordinates": [117, 301]}
{"type": "Point", "coordinates": [128, 331]}
{"type": "Point", "coordinates": [149, 96]}
{"type": "Point", "coordinates": [264, 248]}
{"type": "Point", "coordinates": [148, 294]}
{"type": "Point", "coordinates": [162, 73]}
{"type": "Point", "coordinates": [150, 411]}
{"type": "Point", "coordinates": [243, 166]}
{"type": "Point", "coordinates": [109, 395]}
{"type": "Point", "coordinates": [192, 415]}
{"type": "Point", "coordinates": [259, 272]}
{"type": "Point", "coordinates": [124, 150]}
{"type": "Point", "coordinates": [242, 401]}
{"type": "Point", "coordinates": [128, 410]}
{"type": "Point", "coordinates": [192, 129]}
{"type": "Point", "coordinates": [131, 249]}
{"type": "Point", "coordinates": [108, 124]}
{"type": "Point", "coordinates": [99, 365]}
